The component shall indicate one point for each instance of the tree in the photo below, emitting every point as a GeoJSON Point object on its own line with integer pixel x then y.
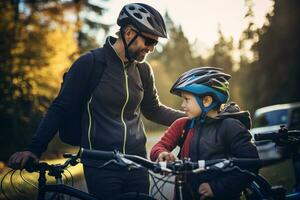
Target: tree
{"type": "Point", "coordinates": [248, 54]}
{"type": "Point", "coordinates": [89, 24]}
{"type": "Point", "coordinates": [276, 58]}
{"type": "Point", "coordinates": [221, 54]}
{"type": "Point", "coordinates": [37, 45]}
{"type": "Point", "coordinates": [176, 55]}
{"type": "Point", "coordinates": [24, 50]}
{"type": "Point", "coordinates": [278, 51]}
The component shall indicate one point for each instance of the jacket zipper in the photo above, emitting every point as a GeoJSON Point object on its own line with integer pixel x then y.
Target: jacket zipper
{"type": "Point", "coordinates": [126, 101]}
{"type": "Point", "coordinates": [90, 122]}
{"type": "Point", "coordinates": [122, 112]}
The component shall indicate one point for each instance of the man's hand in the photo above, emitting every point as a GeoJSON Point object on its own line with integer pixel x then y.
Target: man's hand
{"type": "Point", "coordinates": [166, 156]}
{"type": "Point", "coordinates": [205, 191]}
{"type": "Point", "coordinates": [19, 159]}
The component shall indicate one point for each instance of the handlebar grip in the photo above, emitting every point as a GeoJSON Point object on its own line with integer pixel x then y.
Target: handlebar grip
{"type": "Point", "coordinates": [265, 136]}
{"type": "Point", "coordinates": [30, 165]}
{"type": "Point", "coordinates": [69, 155]}
{"type": "Point", "coordinates": [254, 162]}
{"type": "Point", "coordinates": [97, 155]}
{"type": "Point", "coordinates": [247, 162]}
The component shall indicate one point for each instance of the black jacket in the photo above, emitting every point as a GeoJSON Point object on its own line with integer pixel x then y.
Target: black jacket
{"type": "Point", "coordinates": [112, 117]}
{"type": "Point", "coordinates": [223, 137]}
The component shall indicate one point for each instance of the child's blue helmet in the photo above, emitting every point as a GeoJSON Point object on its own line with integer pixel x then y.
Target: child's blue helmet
{"type": "Point", "coordinates": [204, 81]}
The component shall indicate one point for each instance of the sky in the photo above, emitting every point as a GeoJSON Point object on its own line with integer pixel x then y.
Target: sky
{"type": "Point", "coordinates": [199, 18]}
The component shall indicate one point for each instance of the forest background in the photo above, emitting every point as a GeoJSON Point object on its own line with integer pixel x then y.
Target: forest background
{"type": "Point", "coordinates": [39, 40]}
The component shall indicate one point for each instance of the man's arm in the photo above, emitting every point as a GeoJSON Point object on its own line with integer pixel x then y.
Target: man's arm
{"type": "Point", "coordinates": [71, 95]}
{"type": "Point", "coordinates": [151, 106]}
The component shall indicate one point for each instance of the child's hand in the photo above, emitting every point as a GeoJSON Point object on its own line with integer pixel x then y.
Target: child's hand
{"type": "Point", "coordinates": [205, 191]}
{"type": "Point", "coordinates": [166, 156]}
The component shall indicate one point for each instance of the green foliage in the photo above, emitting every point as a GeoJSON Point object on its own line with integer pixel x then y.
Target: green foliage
{"type": "Point", "coordinates": [23, 50]}
{"type": "Point", "coordinates": [222, 54]}
{"type": "Point", "coordinates": [278, 52]}
{"type": "Point", "coordinates": [91, 25]}
{"type": "Point", "coordinates": [274, 75]}
{"type": "Point", "coordinates": [174, 59]}
{"type": "Point", "coordinates": [176, 56]}
{"type": "Point", "coordinates": [37, 45]}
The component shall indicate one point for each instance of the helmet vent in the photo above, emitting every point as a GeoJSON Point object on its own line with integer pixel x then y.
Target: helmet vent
{"type": "Point", "coordinates": [131, 8]}
{"type": "Point", "coordinates": [144, 18]}
{"type": "Point", "coordinates": [143, 10]}
{"type": "Point", "coordinates": [138, 15]}
{"type": "Point", "coordinates": [150, 21]}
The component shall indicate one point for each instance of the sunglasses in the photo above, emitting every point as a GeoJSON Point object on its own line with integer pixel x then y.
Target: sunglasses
{"type": "Point", "coordinates": [147, 41]}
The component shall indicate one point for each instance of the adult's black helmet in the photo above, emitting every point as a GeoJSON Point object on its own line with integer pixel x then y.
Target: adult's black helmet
{"type": "Point", "coordinates": [143, 17]}
{"type": "Point", "coordinates": [204, 81]}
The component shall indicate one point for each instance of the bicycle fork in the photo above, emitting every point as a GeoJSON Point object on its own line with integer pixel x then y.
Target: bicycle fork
{"type": "Point", "coordinates": [179, 187]}
{"type": "Point", "coordinates": [42, 184]}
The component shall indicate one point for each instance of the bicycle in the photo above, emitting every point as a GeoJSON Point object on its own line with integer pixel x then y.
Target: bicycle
{"type": "Point", "coordinates": [260, 188]}
{"type": "Point", "coordinates": [180, 167]}
{"type": "Point", "coordinates": [131, 162]}
{"type": "Point", "coordinates": [60, 191]}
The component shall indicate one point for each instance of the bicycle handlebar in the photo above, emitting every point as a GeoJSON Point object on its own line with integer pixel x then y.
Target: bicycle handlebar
{"type": "Point", "coordinates": [282, 133]}
{"type": "Point", "coordinates": [176, 167]}
{"type": "Point", "coordinates": [30, 166]}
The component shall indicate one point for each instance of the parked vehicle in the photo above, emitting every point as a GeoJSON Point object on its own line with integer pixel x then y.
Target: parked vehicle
{"type": "Point", "coordinates": [269, 119]}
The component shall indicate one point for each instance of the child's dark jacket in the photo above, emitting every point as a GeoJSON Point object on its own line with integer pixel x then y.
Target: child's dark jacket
{"type": "Point", "coordinates": [222, 137]}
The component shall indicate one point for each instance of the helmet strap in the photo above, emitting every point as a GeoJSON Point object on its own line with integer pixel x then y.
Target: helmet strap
{"type": "Point", "coordinates": [204, 110]}
{"type": "Point", "coordinates": [126, 46]}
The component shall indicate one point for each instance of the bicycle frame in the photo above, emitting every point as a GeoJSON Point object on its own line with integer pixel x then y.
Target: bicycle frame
{"type": "Point", "coordinates": [43, 188]}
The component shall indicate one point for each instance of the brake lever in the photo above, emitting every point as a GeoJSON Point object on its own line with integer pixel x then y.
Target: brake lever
{"type": "Point", "coordinates": [108, 163]}
{"type": "Point", "coordinates": [124, 162]}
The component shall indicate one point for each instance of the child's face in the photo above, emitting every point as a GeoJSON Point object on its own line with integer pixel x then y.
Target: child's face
{"type": "Point", "coordinates": [189, 105]}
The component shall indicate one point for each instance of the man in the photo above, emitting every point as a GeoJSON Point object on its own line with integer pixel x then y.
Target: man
{"type": "Point", "coordinates": [112, 116]}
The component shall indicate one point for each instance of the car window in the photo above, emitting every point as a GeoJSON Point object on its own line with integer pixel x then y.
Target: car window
{"type": "Point", "coordinates": [295, 119]}
{"type": "Point", "coordinates": [276, 117]}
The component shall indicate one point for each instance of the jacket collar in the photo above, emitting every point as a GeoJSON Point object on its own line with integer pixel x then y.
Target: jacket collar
{"type": "Point", "coordinates": [112, 54]}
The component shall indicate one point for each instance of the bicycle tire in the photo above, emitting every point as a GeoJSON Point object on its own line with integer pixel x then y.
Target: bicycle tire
{"type": "Point", "coordinates": [70, 192]}
{"type": "Point", "coordinates": [134, 196]}
{"type": "Point", "coordinates": [253, 192]}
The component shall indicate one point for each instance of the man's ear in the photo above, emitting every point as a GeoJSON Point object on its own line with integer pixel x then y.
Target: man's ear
{"type": "Point", "coordinates": [128, 33]}
{"type": "Point", "coordinates": [207, 101]}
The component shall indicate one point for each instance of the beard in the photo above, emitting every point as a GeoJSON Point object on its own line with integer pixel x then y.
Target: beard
{"type": "Point", "coordinates": [138, 55]}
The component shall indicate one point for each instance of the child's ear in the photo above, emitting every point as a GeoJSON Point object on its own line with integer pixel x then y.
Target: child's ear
{"type": "Point", "coordinates": [207, 101]}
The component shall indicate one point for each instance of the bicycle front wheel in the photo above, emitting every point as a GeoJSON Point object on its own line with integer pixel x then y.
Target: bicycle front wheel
{"type": "Point", "coordinates": [254, 192]}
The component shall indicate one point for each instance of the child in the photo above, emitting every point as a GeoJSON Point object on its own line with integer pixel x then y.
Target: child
{"type": "Point", "coordinates": [211, 134]}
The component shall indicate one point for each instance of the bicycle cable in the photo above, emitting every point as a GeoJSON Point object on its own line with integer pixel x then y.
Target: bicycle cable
{"type": "Point", "coordinates": [72, 178]}
{"type": "Point", "coordinates": [155, 183]}
{"type": "Point", "coordinates": [26, 181]}
{"type": "Point", "coordinates": [15, 187]}
{"type": "Point", "coordinates": [2, 184]}
{"type": "Point", "coordinates": [66, 179]}
{"type": "Point", "coordinates": [164, 180]}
